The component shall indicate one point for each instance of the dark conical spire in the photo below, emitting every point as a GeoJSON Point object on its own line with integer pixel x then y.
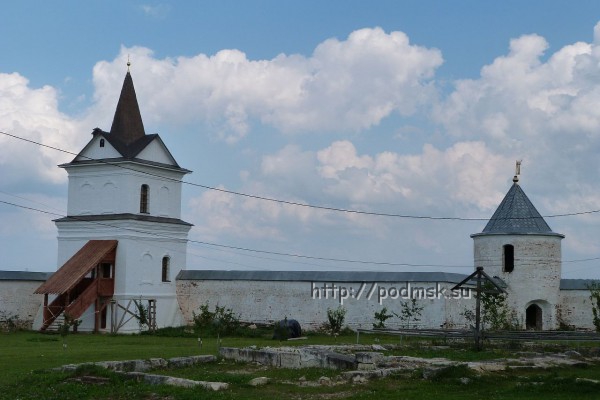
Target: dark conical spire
{"type": "Point", "coordinates": [127, 124]}
{"type": "Point", "coordinates": [516, 214]}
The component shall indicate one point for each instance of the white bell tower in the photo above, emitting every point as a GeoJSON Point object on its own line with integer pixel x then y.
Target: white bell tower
{"type": "Point", "coordinates": [124, 186]}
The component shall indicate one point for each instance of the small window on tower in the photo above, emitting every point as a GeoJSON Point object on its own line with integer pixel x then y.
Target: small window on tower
{"type": "Point", "coordinates": [144, 199]}
{"type": "Point", "coordinates": [101, 142]}
{"type": "Point", "coordinates": [165, 269]}
{"type": "Point", "coordinates": [508, 258]}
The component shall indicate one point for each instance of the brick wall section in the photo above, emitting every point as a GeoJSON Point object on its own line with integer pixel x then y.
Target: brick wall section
{"type": "Point", "coordinates": [17, 299]}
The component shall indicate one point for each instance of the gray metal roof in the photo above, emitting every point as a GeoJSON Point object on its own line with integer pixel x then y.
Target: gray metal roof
{"type": "Point", "coordinates": [321, 276]}
{"type": "Point", "coordinates": [517, 215]}
{"type": "Point", "coordinates": [24, 276]}
{"type": "Point", "coordinates": [577, 284]}
{"type": "Point", "coordinates": [124, 216]}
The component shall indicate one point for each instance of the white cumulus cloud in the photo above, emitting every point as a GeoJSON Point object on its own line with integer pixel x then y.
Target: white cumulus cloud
{"type": "Point", "coordinates": [32, 114]}
{"type": "Point", "coordinates": [345, 85]}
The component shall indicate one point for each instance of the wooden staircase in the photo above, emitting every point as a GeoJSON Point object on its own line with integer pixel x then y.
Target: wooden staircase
{"type": "Point", "coordinates": [85, 280]}
{"type": "Point", "coordinates": [74, 303]}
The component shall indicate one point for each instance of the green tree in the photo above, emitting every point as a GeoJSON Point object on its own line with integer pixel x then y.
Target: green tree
{"type": "Point", "coordinates": [594, 289]}
{"type": "Point", "coordinates": [410, 312]}
{"type": "Point", "coordinates": [495, 313]}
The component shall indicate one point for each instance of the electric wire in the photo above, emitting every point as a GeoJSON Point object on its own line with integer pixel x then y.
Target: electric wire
{"type": "Point", "coordinates": [295, 203]}
{"type": "Point", "coordinates": [240, 248]}
{"type": "Point", "coordinates": [227, 248]}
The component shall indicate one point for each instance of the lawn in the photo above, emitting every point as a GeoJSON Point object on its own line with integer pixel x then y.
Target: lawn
{"type": "Point", "coordinates": [27, 357]}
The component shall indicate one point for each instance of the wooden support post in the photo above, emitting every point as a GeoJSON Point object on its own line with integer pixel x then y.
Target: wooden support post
{"type": "Point", "coordinates": [479, 275]}
{"type": "Point", "coordinates": [96, 314]}
{"type": "Point", "coordinates": [46, 312]}
{"type": "Point", "coordinates": [113, 317]}
{"type": "Point", "coordinates": [478, 311]}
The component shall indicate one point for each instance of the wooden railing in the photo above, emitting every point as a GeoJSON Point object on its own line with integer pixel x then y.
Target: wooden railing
{"type": "Point", "coordinates": [83, 301]}
{"type": "Point", "coordinates": [106, 287]}
{"type": "Point", "coordinates": [82, 296]}
{"type": "Point", "coordinates": [53, 310]}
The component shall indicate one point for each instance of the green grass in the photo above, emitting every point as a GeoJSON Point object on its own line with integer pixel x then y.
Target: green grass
{"type": "Point", "coordinates": [26, 359]}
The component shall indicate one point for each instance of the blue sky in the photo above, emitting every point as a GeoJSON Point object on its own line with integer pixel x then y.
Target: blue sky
{"type": "Point", "coordinates": [410, 107]}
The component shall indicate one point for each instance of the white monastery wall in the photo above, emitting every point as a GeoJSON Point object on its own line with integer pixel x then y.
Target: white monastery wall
{"type": "Point", "coordinates": [262, 301]}
{"type": "Point", "coordinates": [17, 300]}
{"type": "Point", "coordinates": [575, 308]}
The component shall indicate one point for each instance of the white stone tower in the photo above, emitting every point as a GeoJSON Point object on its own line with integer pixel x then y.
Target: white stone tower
{"type": "Point", "coordinates": [122, 243]}
{"type": "Point", "coordinates": [519, 247]}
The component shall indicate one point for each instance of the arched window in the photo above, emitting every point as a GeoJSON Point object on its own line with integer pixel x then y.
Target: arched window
{"type": "Point", "coordinates": [101, 142]}
{"type": "Point", "coordinates": [508, 258]}
{"type": "Point", "coordinates": [144, 199]}
{"type": "Point", "coordinates": [166, 261]}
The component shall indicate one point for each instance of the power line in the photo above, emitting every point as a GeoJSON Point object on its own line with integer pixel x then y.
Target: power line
{"type": "Point", "coordinates": [294, 203]}
{"type": "Point", "coordinates": [282, 254]}
{"type": "Point", "coordinates": [239, 248]}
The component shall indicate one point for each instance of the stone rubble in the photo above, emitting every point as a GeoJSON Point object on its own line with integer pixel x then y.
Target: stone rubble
{"type": "Point", "coordinates": [135, 369]}
{"type": "Point", "coordinates": [357, 363]}
{"type": "Point", "coordinates": [361, 363]}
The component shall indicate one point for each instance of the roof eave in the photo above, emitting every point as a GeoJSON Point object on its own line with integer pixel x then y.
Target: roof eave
{"type": "Point", "coordinates": [518, 234]}
{"type": "Point", "coordinates": [123, 160]}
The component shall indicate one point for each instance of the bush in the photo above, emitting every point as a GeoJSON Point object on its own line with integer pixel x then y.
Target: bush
{"type": "Point", "coordinates": [335, 320]}
{"type": "Point", "coordinates": [10, 322]}
{"type": "Point", "coordinates": [222, 321]}
{"type": "Point", "coordinates": [68, 323]}
{"type": "Point", "coordinates": [381, 317]}
{"type": "Point", "coordinates": [594, 289]}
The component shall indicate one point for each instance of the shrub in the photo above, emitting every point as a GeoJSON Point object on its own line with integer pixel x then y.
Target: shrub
{"type": "Point", "coordinates": [594, 289]}
{"type": "Point", "coordinates": [410, 312]}
{"type": "Point", "coordinates": [222, 321]}
{"type": "Point", "coordinates": [335, 320]}
{"type": "Point", "coordinates": [10, 322]}
{"type": "Point", "coordinates": [381, 317]}
{"type": "Point", "coordinates": [495, 313]}
{"type": "Point", "coordinates": [142, 315]}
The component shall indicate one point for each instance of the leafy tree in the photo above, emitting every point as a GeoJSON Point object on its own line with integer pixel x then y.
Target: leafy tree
{"type": "Point", "coordinates": [410, 312]}
{"type": "Point", "coordinates": [495, 313]}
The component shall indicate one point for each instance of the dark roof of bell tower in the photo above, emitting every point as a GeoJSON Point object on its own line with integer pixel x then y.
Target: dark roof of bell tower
{"type": "Point", "coordinates": [516, 214]}
{"type": "Point", "coordinates": [127, 124]}
{"type": "Point", "coordinates": [127, 135]}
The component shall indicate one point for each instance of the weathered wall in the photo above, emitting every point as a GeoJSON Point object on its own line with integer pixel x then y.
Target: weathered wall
{"type": "Point", "coordinates": [268, 301]}
{"type": "Point", "coordinates": [18, 301]}
{"type": "Point", "coordinates": [576, 308]}
{"type": "Point", "coordinates": [536, 275]}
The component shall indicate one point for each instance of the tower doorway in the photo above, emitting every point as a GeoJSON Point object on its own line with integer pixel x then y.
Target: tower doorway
{"type": "Point", "coordinates": [533, 317]}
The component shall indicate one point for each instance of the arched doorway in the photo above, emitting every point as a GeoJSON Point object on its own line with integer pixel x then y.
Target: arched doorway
{"type": "Point", "coordinates": [533, 317]}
